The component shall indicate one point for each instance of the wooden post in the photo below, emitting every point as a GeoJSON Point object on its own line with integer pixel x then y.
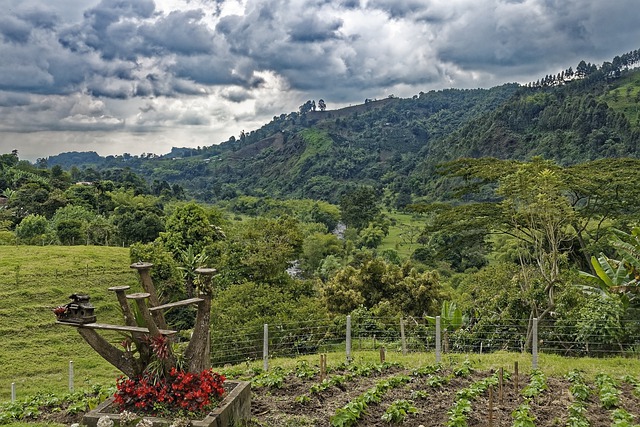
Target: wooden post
{"type": "Point", "coordinates": [140, 298]}
{"type": "Point", "coordinates": [382, 354]}
{"type": "Point", "coordinates": [491, 406]}
{"type": "Point", "coordinates": [402, 338]}
{"type": "Point", "coordinates": [515, 374]}
{"type": "Point", "coordinates": [534, 350]}
{"type": "Point", "coordinates": [13, 392]}
{"type": "Point", "coordinates": [129, 318]}
{"type": "Point", "coordinates": [198, 352]}
{"type": "Point", "coordinates": [323, 366]}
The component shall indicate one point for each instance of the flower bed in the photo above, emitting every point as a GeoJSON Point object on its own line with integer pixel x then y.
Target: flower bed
{"type": "Point", "coordinates": [235, 406]}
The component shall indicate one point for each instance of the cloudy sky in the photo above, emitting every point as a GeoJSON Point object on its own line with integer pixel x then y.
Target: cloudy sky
{"type": "Point", "coordinates": [134, 76]}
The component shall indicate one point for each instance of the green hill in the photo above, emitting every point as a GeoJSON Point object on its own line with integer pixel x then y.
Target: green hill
{"type": "Point", "coordinates": [35, 351]}
{"type": "Point", "coordinates": [396, 143]}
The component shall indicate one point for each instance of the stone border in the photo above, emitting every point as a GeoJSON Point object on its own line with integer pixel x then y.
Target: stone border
{"type": "Point", "coordinates": [234, 408]}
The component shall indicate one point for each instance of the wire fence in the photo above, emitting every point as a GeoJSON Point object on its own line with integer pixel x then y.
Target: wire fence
{"type": "Point", "coordinates": [289, 339]}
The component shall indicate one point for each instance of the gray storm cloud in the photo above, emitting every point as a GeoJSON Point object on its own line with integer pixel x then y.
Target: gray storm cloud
{"type": "Point", "coordinates": [225, 60]}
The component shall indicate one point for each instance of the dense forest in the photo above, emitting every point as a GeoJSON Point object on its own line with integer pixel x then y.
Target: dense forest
{"type": "Point", "coordinates": [522, 199]}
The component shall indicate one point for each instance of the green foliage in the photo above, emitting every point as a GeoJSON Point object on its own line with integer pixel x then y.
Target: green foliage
{"type": "Point", "coordinates": [349, 414]}
{"type": "Point", "coordinates": [359, 207]}
{"type": "Point", "coordinates": [622, 418]}
{"type": "Point", "coordinates": [189, 226]}
{"type": "Point", "coordinates": [608, 391]}
{"type": "Point", "coordinates": [398, 411]}
{"type": "Point", "coordinates": [271, 379]}
{"type": "Point", "coordinates": [239, 313]}
{"type": "Point", "coordinates": [376, 282]}
{"type": "Point", "coordinates": [316, 248]}
{"type": "Point", "coordinates": [522, 416]}
{"type": "Point", "coordinates": [259, 250]}
{"type": "Point", "coordinates": [34, 229]}
{"type": "Point", "coordinates": [537, 384]}
{"type": "Point", "coordinates": [580, 392]}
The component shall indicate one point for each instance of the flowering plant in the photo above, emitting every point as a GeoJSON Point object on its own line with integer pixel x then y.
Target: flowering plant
{"type": "Point", "coordinates": [179, 392]}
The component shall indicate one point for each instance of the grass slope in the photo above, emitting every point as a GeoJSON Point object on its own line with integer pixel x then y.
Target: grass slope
{"type": "Point", "coordinates": [35, 352]}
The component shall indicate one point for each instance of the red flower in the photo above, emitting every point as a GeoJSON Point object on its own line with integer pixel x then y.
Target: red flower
{"type": "Point", "coordinates": [179, 390]}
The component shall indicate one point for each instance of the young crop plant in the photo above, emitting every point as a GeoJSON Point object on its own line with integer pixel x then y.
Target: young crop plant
{"type": "Point", "coordinates": [304, 371]}
{"type": "Point", "coordinates": [465, 370]}
{"type": "Point", "coordinates": [270, 379]}
{"type": "Point", "coordinates": [458, 413]}
{"type": "Point", "coordinates": [419, 394]}
{"type": "Point", "coordinates": [607, 391]}
{"type": "Point", "coordinates": [462, 405]}
{"type": "Point", "coordinates": [398, 411]}
{"type": "Point", "coordinates": [622, 418]}
{"type": "Point", "coordinates": [427, 370]}
{"type": "Point", "coordinates": [578, 408]}
{"type": "Point", "coordinates": [436, 381]}
{"type": "Point", "coordinates": [537, 384]}
{"type": "Point", "coordinates": [522, 416]}
{"type": "Point", "coordinates": [350, 413]}
{"type": "Point", "coordinates": [634, 383]}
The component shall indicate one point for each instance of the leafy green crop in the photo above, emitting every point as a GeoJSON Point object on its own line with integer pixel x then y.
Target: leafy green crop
{"type": "Point", "coordinates": [398, 411]}
{"type": "Point", "coordinates": [607, 391]}
{"type": "Point", "coordinates": [350, 413]}
{"type": "Point", "coordinates": [537, 384]}
{"type": "Point", "coordinates": [522, 416]}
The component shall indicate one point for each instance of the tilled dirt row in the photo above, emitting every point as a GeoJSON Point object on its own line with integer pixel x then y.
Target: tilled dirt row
{"type": "Point", "coordinates": [279, 407]}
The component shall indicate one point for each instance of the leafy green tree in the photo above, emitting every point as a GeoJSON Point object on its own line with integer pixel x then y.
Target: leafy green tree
{"type": "Point", "coordinates": [34, 229]}
{"type": "Point", "coordinates": [316, 247]}
{"type": "Point", "coordinates": [138, 226]}
{"type": "Point", "coordinates": [249, 305]}
{"type": "Point", "coordinates": [187, 226]}
{"type": "Point", "coordinates": [359, 207]}
{"type": "Point", "coordinates": [375, 282]}
{"type": "Point", "coordinates": [71, 231]}
{"type": "Point", "coordinates": [258, 250]}
{"type": "Point", "coordinates": [137, 218]}
{"type": "Point", "coordinates": [101, 231]}
{"type": "Point", "coordinates": [371, 236]}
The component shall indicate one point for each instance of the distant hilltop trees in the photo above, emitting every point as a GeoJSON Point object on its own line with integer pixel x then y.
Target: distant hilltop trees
{"type": "Point", "coordinates": [310, 105]}
{"type": "Point", "coordinates": [608, 70]}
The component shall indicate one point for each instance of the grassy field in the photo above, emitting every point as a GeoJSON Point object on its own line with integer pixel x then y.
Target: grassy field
{"type": "Point", "coordinates": [34, 351]}
{"type": "Point", "coordinates": [403, 234]}
{"type": "Point", "coordinates": [626, 98]}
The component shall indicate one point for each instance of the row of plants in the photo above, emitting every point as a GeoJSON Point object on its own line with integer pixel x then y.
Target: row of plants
{"type": "Point", "coordinates": [33, 407]}
{"type": "Point", "coordinates": [609, 395]}
{"type": "Point", "coordinates": [522, 415]}
{"type": "Point", "coordinates": [580, 392]}
{"type": "Point", "coordinates": [459, 412]}
{"type": "Point", "coordinates": [350, 413]}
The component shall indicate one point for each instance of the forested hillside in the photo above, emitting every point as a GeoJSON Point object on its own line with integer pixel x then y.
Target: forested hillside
{"type": "Point", "coordinates": [396, 143]}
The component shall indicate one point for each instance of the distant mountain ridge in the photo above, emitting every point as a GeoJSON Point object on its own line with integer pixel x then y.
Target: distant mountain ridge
{"type": "Point", "coordinates": [396, 143]}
